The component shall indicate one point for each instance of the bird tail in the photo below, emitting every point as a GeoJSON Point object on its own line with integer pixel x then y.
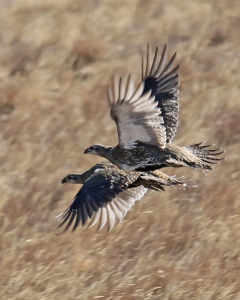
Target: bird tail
{"type": "Point", "coordinates": [197, 156]}
{"type": "Point", "coordinates": [206, 156]}
{"type": "Point", "coordinates": [156, 180]}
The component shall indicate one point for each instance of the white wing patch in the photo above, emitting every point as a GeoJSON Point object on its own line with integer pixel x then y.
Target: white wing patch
{"type": "Point", "coordinates": [117, 209]}
{"type": "Point", "coordinates": [97, 170]}
{"type": "Point", "coordinates": [137, 116]}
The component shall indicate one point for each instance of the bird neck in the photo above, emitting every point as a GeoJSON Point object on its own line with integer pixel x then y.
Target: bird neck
{"type": "Point", "coordinates": [105, 152]}
{"type": "Point", "coordinates": [83, 177]}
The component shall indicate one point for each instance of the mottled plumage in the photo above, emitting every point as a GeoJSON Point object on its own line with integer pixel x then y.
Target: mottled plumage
{"type": "Point", "coordinates": [146, 157]}
{"type": "Point", "coordinates": [147, 120]}
{"type": "Point", "coordinates": [108, 193]}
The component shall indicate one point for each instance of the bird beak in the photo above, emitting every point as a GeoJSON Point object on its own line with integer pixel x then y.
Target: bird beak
{"type": "Point", "coordinates": [86, 151]}
{"type": "Point", "coordinates": [64, 180]}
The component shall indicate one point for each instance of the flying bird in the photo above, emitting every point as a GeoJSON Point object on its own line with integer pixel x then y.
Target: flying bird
{"type": "Point", "coordinates": [147, 119]}
{"type": "Point", "coordinates": [108, 193]}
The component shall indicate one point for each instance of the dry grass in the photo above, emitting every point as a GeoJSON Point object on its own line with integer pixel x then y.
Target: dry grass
{"type": "Point", "coordinates": [56, 58]}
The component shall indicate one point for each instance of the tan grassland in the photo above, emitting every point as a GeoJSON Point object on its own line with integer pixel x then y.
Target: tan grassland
{"type": "Point", "coordinates": [56, 58]}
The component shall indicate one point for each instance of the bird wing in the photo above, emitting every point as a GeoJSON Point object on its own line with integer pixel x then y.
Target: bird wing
{"type": "Point", "coordinates": [104, 199]}
{"type": "Point", "coordinates": [135, 113]}
{"type": "Point", "coordinates": [161, 78]}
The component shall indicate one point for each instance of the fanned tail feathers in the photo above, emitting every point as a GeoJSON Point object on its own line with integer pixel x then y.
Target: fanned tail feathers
{"type": "Point", "coordinates": [208, 155]}
{"type": "Point", "coordinates": [156, 180]}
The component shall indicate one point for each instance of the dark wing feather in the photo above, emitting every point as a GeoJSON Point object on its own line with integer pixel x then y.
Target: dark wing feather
{"type": "Point", "coordinates": [162, 80]}
{"type": "Point", "coordinates": [104, 198]}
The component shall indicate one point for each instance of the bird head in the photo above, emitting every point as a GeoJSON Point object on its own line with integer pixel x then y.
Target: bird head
{"type": "Point", "coordinates": [72, 178]}
{"type": "Point", "coordinates": [95, 149]}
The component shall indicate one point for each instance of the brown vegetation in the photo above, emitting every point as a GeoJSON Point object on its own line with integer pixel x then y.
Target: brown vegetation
{"type": "Point", "coordinates": [56, 58]}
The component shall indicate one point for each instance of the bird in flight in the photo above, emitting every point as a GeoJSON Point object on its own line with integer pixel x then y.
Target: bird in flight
{"type": "Point", "coordinates": [147, 119]}
{"type": "Point", "coordinates": [108, 193]}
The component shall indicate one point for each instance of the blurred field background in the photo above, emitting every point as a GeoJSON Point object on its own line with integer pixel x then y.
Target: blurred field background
{"type": "Point", "coordinates": [56, 58]}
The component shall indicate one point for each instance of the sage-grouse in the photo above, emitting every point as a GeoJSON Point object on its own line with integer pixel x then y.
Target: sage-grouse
{"type": "Point", "coordinates": [108, 193]}
{"type": "Point", "coordinates": [147, 120]}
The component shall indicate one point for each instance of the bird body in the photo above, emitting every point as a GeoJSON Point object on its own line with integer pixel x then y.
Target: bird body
{"type": "Point", "coordinates": [109, 192]}
{"type": "Point", "coordinates": [140, 156]}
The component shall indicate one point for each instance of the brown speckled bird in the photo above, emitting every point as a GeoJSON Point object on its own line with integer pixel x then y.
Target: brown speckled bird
{"type": "Point", "coordinates": [147, 120]}
{"type": "Point", "coordinates": [108, 193]}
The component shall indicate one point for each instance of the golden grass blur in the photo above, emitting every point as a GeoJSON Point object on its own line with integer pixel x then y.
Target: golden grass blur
{"type": "Point", "coordinates": [56, 58]}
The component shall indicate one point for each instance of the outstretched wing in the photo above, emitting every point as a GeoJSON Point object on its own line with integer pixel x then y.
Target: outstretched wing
{"type": "Point", "coordinates": [161, 78]}
{"type": "Point", "coordinates": [135, 113]}
{"type": "Point", "coordinates": [104, 199]}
